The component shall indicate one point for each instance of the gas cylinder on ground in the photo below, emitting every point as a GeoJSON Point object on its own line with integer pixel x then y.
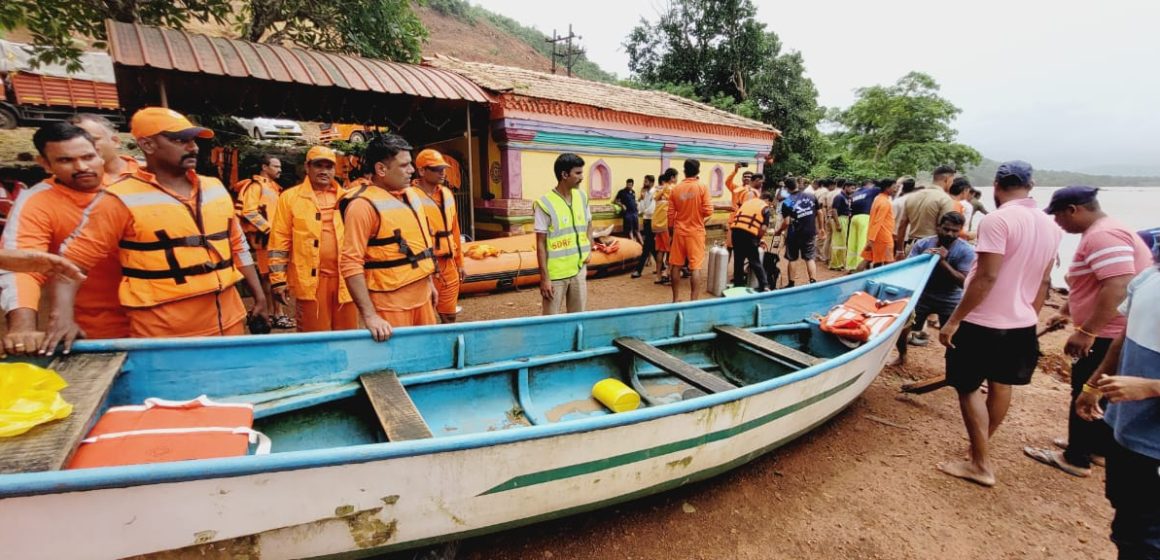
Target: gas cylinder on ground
{"type": "Point", "coordinates": [718, 276]}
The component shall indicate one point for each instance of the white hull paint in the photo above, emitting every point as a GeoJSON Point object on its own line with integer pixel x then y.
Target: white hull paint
{"type": "Point", "coordinates": [368, 507]}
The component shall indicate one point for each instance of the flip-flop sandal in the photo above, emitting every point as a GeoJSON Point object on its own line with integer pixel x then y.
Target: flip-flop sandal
{"type": "Point", "coordinates": [1049, 457]}
{"type": "Point", "coordinates": [1097, 460]}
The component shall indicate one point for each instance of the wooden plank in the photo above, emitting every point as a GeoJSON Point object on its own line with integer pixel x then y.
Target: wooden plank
{"type": "Point", "coordinates": [48, 447]}
{"type": "Point", "coordinates": [394, 407]}
{"type": "Point", "coordinates": [767, 346]}
{"type": "Point", "coordinates": [693, 375]}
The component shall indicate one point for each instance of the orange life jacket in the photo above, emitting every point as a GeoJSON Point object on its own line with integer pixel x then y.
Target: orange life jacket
{"type": "Point", "coordinates": [161, 431]}
{"type": "Point", "coordinates": [268, 192]}
{"type": "Point", "coordinates": [176, 253]}
{"type": "Point", "coordinates": [751, 216]}
{"type": "Point", "coordinates": [441, 219]}
{"type": "Point", "coordinates": [401, 250]}
{"type": "Point", "coordinates": [862, 317]}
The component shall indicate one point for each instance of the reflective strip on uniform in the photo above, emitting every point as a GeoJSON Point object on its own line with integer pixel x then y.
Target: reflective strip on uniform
{"type": "Point", "coordinates": [274, 254]}
{"type": "Point", "coordinates": [133, 200]}
{"type": "Point", "coordinates": [556, 253]}
{"type": "Point", "coordinates": [277, 268]}
{"type": "Point", "coordinates": [389, 203]}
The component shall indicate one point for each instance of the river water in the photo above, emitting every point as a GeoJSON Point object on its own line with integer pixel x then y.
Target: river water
{"type": "Point", "coordinates": [1135, 207]}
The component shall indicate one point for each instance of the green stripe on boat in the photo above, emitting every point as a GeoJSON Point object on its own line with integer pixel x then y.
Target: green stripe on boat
{"type": "Point", "coordinates": [550, 475]}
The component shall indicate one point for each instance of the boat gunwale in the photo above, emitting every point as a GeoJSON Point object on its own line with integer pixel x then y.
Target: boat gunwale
{"type": "Point", "coordinates": [53, 482]}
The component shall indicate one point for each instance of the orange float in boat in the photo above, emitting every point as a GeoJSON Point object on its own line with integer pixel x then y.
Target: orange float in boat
{"type": "Point", "coordinates": [862, 317]}
{"type": "Point", "coordinates": [161, 431]}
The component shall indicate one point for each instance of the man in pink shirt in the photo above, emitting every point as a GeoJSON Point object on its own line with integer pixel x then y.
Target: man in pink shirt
{"type": "Point", "coordinates": [991, 334]}
{"type": "Point", "coordinates": [1108, 257]}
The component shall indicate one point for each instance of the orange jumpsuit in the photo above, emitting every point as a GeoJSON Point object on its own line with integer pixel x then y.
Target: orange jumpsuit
{"type": "Point", "coordinates": [43, 217]}
{"type": "Point", "coordinates": [107, 221]}
{"type": "Point", "coordinates": [689, 207]}
{"type": "Point", "coordinates": [409, 305]}
{"type": "Point", "coordinates": [880, 236]}
{"type": "Point", "coordinates": [304, 242]}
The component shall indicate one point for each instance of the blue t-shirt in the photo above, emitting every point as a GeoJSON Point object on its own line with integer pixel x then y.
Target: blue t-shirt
{"type": "Point", "coordinates": [941, 287]}
{"type": "Point", "coordinates": [1136, 424]}
{"type": "Point", "coordinates": [842, 205]}
{"type": "Point", "coordinates": [1151, 238]}
{"type": "Point", "coordinates": [802, 207]}
{"type": "Point", "coordinates": [863, 199]}
{"type": "Point", "coordinates": [626, 198]}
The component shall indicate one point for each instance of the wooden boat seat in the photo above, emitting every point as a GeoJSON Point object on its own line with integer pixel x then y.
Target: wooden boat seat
{"type": "Point", "coordinates": [691, 374]}
{"type": "Point", "coordinates": [768, 347]}
{"type": "Point", "coordinates": [394, 407]}
{"type": "Point", "coordinates": [49, 447]}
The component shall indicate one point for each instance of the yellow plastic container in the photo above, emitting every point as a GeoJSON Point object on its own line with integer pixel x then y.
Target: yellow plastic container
{"type": "Point", "coordinates": [616, 395]}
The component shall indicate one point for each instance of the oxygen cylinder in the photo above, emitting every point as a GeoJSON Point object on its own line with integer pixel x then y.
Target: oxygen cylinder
{"type": "Point", "coordinates": [718, 270]}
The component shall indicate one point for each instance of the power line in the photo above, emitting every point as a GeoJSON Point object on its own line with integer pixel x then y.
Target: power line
{"type": "Point", "coordinates": [570, 54]}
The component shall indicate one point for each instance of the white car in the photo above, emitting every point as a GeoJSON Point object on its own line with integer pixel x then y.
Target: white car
{"type": "Point", "coordinates": [263, 128]}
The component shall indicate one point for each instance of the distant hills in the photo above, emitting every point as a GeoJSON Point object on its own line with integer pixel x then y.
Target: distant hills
{"type": "Point", "coordinates": [984, 174]}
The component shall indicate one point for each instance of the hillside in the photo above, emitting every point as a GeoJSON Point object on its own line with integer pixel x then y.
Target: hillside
{"type": "Point", "coordinates": [469, 32]}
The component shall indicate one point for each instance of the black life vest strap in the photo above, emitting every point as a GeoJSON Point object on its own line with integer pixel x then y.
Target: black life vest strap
{"type": "Point", "coordinates": [180, 275]}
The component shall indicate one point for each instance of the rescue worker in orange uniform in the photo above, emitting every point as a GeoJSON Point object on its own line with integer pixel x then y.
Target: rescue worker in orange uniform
{"type": "Point", "coordinates": [257, 198]}
{"type": "Point", "coordinates": [108, 144]}
{"type": "Point", "coordinates": [443, 217]}
{"type": "Point", "coordinates": [738, 195]}
{"type": "Point", "coordinates": [879, 248]}
{"type": "Point", "coordinates": [747, 228]}
{"type": "Point", "coordinates": [43, 217]}
{"type": "Point", "coordinates": [180, 248]}
{"type": "Point", "coordinates": [304, 248]}
{"type": "Point", "coordinates": [387, 253]}
{"type": "Point", "coordinates": [689, 208]}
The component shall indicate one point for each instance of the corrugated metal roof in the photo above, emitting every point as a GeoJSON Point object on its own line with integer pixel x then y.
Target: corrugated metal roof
{"type": "Point", "coordinates": [170, 49]}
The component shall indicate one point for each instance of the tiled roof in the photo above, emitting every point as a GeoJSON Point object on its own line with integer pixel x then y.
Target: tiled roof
{"type": "Point", "coordinates": [529, 83]}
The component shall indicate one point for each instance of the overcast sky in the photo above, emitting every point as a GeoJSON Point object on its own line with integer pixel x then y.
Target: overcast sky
{"type": "Point", "coordinates": [1063, 84]}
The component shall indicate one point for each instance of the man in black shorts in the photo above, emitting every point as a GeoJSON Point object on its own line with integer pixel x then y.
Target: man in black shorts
{"type": "Point", "coordinates": [944, 290]}
{"type": "Point", "coordinates": [799, 210]}
{"type": "Point", "coordinates": [991, 334]}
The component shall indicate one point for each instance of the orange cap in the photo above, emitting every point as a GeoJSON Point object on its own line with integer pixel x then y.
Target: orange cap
{"type": "Point", "coordinates": [152, 121]}
{"type": "Point", "coordinates": [321, 152]}
{"type": "Point", "coordinates": [430, 158]}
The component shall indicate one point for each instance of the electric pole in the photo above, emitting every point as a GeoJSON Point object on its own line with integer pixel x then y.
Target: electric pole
{"type": "Point", "coordinates": [569, 54]}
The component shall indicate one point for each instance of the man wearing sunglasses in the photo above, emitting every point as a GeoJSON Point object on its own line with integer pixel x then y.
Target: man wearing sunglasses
{"type": "Point", "coordinates": [180, 247]}
{"type": "Point", "coordinates": [443, 217]}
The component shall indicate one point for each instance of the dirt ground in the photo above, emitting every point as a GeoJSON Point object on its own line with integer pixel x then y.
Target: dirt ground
{"type": "Point", "coordinates": [854, 488]}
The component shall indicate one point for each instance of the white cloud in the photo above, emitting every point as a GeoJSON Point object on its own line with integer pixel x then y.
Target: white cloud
{"type": "Point", "coordinates": [1063, 84]}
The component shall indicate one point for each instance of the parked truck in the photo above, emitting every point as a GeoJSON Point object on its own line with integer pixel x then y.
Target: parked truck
{"type": "Point", "coordinates": [35, 96]}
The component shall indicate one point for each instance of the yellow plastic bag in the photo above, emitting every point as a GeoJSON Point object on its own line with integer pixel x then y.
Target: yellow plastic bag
{"type": "Point", "coordinates": [29, 396]}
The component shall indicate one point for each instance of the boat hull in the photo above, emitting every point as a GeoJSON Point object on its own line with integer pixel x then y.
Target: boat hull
{"type": "Point", "coordinates": [401, 502]}
{"type": "Point", "coordinates": [368, 499]}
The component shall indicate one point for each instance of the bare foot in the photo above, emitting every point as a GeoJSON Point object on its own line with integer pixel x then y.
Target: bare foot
{"type": "Point", "coordinates": [967, 470]}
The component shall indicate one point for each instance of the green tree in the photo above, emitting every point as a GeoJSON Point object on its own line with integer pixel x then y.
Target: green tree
{"type": "Point", "coordinates": [55, 25]}
{"type": "Point", "coordinates": [729, 60]}
{"type": "Point", "coordinates": [382, 29]}
{"type": "Point", "coordinates": [902, 129]}
{"type": "Point", "coordinates": [385, 29]}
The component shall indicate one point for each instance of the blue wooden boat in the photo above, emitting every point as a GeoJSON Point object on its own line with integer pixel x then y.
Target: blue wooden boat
{"type": "Point", "coordinates": [492, 425]}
